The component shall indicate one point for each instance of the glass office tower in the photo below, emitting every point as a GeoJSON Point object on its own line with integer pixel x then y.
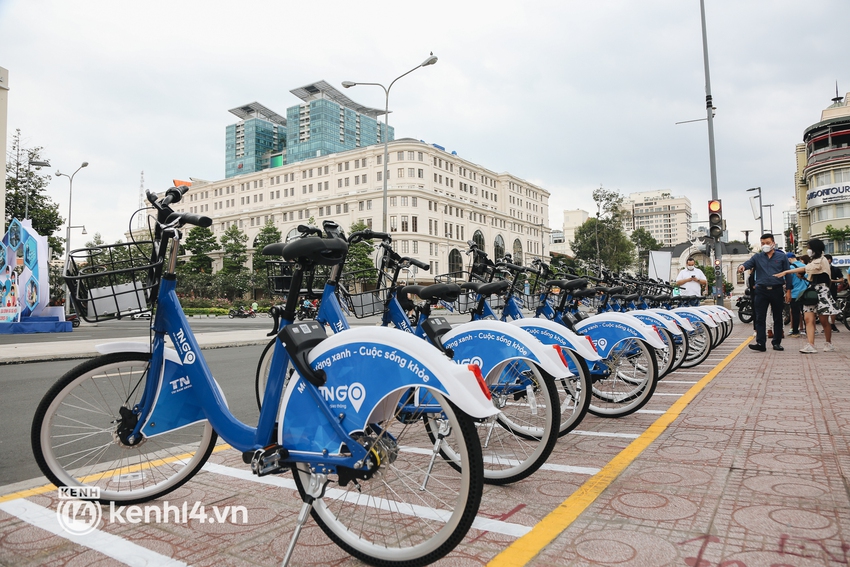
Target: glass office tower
{"type": "Point", "coordinates": [250, 142]}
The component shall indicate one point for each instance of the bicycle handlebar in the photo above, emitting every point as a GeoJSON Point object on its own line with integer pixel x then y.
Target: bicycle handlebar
{"type": "Point", "coordinates": [189, 218]}
{"type": "Point", "coordinates": [368, 234]}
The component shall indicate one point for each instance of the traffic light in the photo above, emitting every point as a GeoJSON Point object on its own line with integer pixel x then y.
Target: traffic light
{"type": "Point", "coordinates": [715, 219]}
{"type": "Point", "coordinates": [716, 264]}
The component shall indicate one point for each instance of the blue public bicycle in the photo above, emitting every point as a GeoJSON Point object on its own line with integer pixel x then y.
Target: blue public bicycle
{"type": "Point", "coordinates": [142, 419]}
{"type": "Point", "coordinates": [624, 371]}
{"type": "Point", "coordinates": [520, 373]}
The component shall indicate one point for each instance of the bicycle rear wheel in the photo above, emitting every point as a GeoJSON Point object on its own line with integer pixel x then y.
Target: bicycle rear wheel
{"type": "Point", "coordinates": [630, 383]}
{"type": "Point", "coordinates": [416, 508]}
{"type": "Point", "coordinates": [516, 442]}
{"type": "Point", "coordinates": [699, 345]}
{"type": "Point", "coordinates": [574, 392]}
{"type": "Point", "coordinates": [75, 443]}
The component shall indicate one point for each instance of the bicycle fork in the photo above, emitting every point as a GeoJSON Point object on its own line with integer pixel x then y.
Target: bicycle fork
{"type": "Point", "coordinates": [314, 490]}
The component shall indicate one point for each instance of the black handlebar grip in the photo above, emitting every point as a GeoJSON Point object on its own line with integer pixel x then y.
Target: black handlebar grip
{"type": "Point", "coordinates": [173, 195]}
{"type": "Point", "coordinates": [515, 268]}
{"type": "Point", "coordinates": [419, 264]}
{"type": "Point", "coordinates": [189, 218]}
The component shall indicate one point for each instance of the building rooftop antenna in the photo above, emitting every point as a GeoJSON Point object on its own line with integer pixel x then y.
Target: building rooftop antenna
{"type": "Point", "coordinates": [837, 98]}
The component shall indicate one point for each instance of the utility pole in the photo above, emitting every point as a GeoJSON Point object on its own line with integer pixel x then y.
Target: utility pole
{"type": "Point", "coordinates": [709, 109]}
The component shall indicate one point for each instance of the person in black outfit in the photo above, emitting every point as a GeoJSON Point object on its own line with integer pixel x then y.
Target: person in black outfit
{"type": "Point", "coordinates": [769, 290]}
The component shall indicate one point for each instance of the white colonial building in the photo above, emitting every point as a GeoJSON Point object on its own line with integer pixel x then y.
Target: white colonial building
{"type": "Point", "coordinates": [437, 201]}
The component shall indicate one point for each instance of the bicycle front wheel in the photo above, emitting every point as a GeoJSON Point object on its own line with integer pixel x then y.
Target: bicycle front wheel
{"type": "Point", "coordinates": [418, 506]}
{"type": "Point", "coordinates": [75, 443]}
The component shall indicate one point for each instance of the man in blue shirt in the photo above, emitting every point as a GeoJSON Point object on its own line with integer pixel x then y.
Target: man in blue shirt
{"type": "Point", "coordinates": [769, 290]}
{"type": "Point", "coordinates": [800, 285]}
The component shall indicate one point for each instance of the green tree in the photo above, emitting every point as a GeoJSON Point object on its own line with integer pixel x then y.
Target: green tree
{"type": "Point", "coordinates": [235, 251]}
{"type": "Point", "coordinates": [644, 242]}
{"type": "Point", "coordinates": [601, 241]}
{"type": "Point", "coordinates": [200, 241]}
{"type": "Point", "coordinates": [359, 258]}
{"type": "Point", "coordinates": [839, 236]}
{"type": "Point", "coordinates": [22, 180]}
{"type": "Point", "coordinates": [269, 234]}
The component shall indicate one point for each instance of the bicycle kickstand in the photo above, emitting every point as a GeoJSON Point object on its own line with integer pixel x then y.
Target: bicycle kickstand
{"type": "Point", "coordinates": [314, 490]}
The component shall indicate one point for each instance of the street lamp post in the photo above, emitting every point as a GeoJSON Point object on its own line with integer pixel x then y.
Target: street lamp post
{"type": "Point", "coordinates": [770, 206]}
{"type": "Point", "coordinates": [709, 111]}
{"type": "Point", "coordinates": [31, 163]}
{"type": "Point", "coordinates": [348, 84]}
{"type": "Point", "coordinates": [761, 207]}
{"type": "Point", "coordinates": [68, 231]}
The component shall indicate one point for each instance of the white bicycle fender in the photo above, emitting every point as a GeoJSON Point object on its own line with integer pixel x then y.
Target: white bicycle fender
{"type": "Point", "coordinates": [634, 325]}
{"type": "Point", "coordinates": [695, 312]}
{"type": "Point", "coordinates": [550, 332]}
{"type": "Point", "coordinates": [657, 320]}
{"type": "Point", "coordinates": [489, 343]}
{"type": "Point", "coordinates": [721, 312]}
{"type": "Point", "coordinates": [365, 364]}
{"type": "Point", "coordinates": [681, 321]}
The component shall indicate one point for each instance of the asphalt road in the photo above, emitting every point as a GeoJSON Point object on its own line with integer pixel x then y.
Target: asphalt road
{"type": "Point", "coordinates": [129, 328]}
{"type": "Point", "coordinates": [23, 385]}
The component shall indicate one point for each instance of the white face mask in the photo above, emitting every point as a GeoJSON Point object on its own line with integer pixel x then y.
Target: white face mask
{"type": "Point", "coordinates": [690, 268]}
{"type": "Point", "coordinates": [766, 248]}
{"type": "Point", "coordinates": [809, 252]}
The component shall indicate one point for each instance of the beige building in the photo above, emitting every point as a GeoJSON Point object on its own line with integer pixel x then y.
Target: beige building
{"type": "Point", "coordinates": [822, 183]}
{"type": "Point", "coordinates": [437, 201]}
{"type": "Point", "coordinates": [666, 217]}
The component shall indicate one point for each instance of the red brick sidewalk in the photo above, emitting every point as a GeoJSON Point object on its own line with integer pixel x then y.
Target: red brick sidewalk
{"type": "Point", "coordinates": [752, 473]}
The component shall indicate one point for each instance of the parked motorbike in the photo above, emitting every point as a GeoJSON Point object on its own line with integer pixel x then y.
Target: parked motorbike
{"type": "Point", "coordinates": [242, 313]}
{"type": "Point", "coordinates": [745, 307]}
{"type": "Point", "coordinates": [305, 312]}
{"type": "Point", "coordinates": [74, 319]}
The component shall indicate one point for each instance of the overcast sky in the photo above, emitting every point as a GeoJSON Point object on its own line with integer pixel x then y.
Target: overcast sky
{"type": "Point", "coordinates": [570, 95]}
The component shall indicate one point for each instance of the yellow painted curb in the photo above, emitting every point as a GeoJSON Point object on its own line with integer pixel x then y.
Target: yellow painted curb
{"type": "Point", "coordinates": [528, 546]}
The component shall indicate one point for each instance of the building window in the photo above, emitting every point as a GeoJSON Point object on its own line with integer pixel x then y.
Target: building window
{"type": "Point", "coordinates": [416, 247]}
{"type": "Point", "coordinates": [404, 224]}
{"type": "Point", "coordinates": [400, 156]}
{"type": "Point", "coordinates": [346, 181]}
{"type": "Point", "coordinates": [369, 205]}
{"type": "Point", "coordinates": [411, 172]}
{"type": "Point", "coordinates": [393, 223]}
{"type": "Point", "coordinates": [357, 180]}
{"type": "Point", "coordinates": [363, 178]}
{"type": "Point", "coordinates": [455, 261]}
{"type": "Point", "coordinates": [400, 172]}
{"type": "Point", "coordinates": [421, 157]}
{"type": "Point", "coordinates": [393, 201]}
{"type": "Point", "coordinates": [361, 205]}
{"type": "Point", "coordinates": [339, 182]}
{"type": "Point", "coordinates": [414, 224]}
{"type": "Point", "coordinates": [380, 175]}
{"type": "Point", "coordinates": [380, 159]}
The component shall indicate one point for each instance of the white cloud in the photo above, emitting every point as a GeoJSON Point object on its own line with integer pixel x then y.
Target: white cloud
{"type": "Point", "coordinates": [567, 94]}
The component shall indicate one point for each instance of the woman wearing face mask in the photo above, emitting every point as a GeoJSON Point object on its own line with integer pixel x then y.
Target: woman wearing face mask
{"type": "Point", "coordinates": [818, 272]}
{"type": "Point", "coordinates": [769, 291]}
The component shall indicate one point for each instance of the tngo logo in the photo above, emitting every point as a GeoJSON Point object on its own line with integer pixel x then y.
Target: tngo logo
{"type": "Point", "coordinates": [183, 346]}
{"type": "Point", "coordinates": [78, 517]}
{"type": "Point", "coordinates": [476, 360]}
{"type": "Point", "coordinates": [355, 392]}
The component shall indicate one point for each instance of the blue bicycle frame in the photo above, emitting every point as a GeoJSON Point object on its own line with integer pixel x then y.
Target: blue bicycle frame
{"type": "Point", "coordinates": [206, 401]}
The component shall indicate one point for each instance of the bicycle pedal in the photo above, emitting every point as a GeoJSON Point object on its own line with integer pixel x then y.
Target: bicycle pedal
{"type": "Point", "coordinates": [268, 460]}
